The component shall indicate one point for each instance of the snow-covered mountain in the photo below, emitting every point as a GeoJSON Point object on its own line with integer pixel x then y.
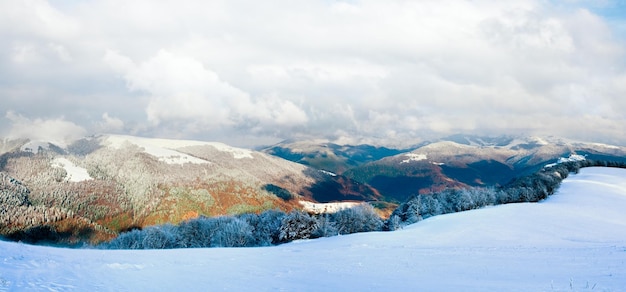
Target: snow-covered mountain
{"type": "Point", "coordinates": [460, 161]}
{"type": "Point", "coordinates": [98, 186]}
{"type": "Point", "coordinates": [453, 161]}
{"type": "Point", "coordinates": [573, 241]}
{"type": "Point", "coordinates": [329, 156]}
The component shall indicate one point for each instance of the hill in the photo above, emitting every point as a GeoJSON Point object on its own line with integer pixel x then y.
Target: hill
{"type": "Point", "coordinates": [461, 161]}
{"type": "Point", "coordinates": [98, 186]}
{"type": "Point", "coordinates": [325, 155]}
{"type": "Point", "coordinates": [575, 240]}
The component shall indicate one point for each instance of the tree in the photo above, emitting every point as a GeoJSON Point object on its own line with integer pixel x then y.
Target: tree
{"type": "Point", "coordinates": [393, 223]}
{"type": "Point", "coordinates": [265, 226]}
{"type": "Point", "coordinates": [128, 240]}
{"type": "Point", "coordinates": [232, 232]}
{"type": "Point", "coordinates": [360, 218]}
{"type": "Point", "coordinates": [326, 227]}
{"type": "Point", "coordinates": [159, 237]}
{"type": "Point", "coordinates": [195, 233]}
{"type": "Point", "coordinates": [297, 225]}
{"type": "Point", "coordinates": [430, 206]}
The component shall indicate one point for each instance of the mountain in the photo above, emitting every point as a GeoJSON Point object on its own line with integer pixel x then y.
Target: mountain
{"type": "Point", "coordinates": [573, 241]}
{"type": "Point", "coordinates": [460, 161]}
{"type": "Point", "coordinates": [101, 185]}
{"type": "Point", "coordinates": [98, 186]}
{"type": "Point", "coordinates": [325, 155]}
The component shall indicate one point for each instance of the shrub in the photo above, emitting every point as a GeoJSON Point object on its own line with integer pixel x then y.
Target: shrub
{"type": "Point", "coordinates": [296, 225]}
{"type": "Point", "coordinates": [128, 240]}
{"type": "Point", "coordinates": [160, 237]}
{"type": "Point", "coordinates": [265, 226]}
{"type": "Point", "coordinates": [195, 233]}
{"type": "Point", "coordinates": [326, 227]}
{"type": "Point", "coordinates": [231, 232]}
{"type": "Point", "coordinates": [361, 218]}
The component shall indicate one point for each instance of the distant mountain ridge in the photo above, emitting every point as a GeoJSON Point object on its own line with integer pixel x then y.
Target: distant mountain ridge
{"type": "Point", "coordinates": [457, 161]}
{"type": "Point", "coordinates": [326, 155]}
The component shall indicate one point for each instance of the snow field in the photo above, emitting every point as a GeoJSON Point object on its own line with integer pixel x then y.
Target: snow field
{"type": "Point", "coordinates": [74, 173]}
{"type": "Point", "coordinates": [166, 149]}
{"type": "Point", "coordinates": [414, 157]}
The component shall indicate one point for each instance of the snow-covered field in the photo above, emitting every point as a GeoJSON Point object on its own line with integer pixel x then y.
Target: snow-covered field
{"type": "Point", "coordinates": [573, 241]}
{"type": "Point", "coordinates": [74, 173]}
{"type": "Point", "coordinates": [166, 149]}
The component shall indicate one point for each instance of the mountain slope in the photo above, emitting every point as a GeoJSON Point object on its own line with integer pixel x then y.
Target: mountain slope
{"type": "Point", "coordinates": [322, 154]}
{"type": "Point", "coordinates": [475, 162]}
{"type": "Point", "coordinates": [573, 241]}
{"type": "Point", "coordinates": [111, 183]}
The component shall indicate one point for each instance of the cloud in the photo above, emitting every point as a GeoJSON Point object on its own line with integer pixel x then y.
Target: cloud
{"type": "Point", "coordinates": [57, 131]}
{"type": "Point", "coordinates": [110, 124]}
{"type": "Point", "coordinates": [390, 69]}
{"type": "Point", "coordinates": [181, 88]}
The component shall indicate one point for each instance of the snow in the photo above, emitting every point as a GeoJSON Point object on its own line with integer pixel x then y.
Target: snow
{"type": "Point", "coordinates": [74, 173]}
{"type": "Point", "coordinates": [573, 241]}
{"type": "Point", "coordinates": [33, 146]}
{"type": "Point", "coordinates": [539, 140]}
{"type": "Point", "coordinates": [166, 149]}
{"type": "Point", "coordinates": [605, 145]}
{"type": "Point", "coordinates": [414, 157]}
{"type": "Point", "coordinates": [326, 172]}
{"type": "Point", "coordinates": [571, 158]}
{"type": "Point", "coordinates": [321, 208]}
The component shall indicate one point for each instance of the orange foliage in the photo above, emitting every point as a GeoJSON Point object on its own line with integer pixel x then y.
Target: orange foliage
{"type": "Point", "coordinates": [190, 215]}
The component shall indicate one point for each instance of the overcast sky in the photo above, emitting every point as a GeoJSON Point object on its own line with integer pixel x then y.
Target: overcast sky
{"type": "Point", "coordinates": [256, 72]}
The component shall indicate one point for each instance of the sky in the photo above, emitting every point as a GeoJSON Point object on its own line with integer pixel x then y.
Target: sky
{"type": "Point", "coordinates": [252, 73]}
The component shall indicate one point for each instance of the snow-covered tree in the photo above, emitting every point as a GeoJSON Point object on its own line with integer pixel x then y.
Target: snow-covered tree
{"type": "Point", "coordinates": [297, 225]}
{"type": "Point", "coordinates": [195, 233]}
{"type": "Point", "coordinates": [232, 232]}
{"type": "Point", "coordinates": [160, 237]}
{"type": "Point", "coordinates": [127, 240]}
{"type": "Point", "coordinates": [326, 227]}
{"type": "Point", "coordinates": [265, 226]}
{"type": "Point", "coordinates": [360, 218]}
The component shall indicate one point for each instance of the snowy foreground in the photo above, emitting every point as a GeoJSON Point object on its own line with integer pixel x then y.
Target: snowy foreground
{"type": "Point", "coordinates": [573, 241]}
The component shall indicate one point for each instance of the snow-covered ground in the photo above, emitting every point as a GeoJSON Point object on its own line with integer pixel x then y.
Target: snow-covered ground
{"type": "Point", "coordinates": [573, 241]}
{"type": "Point", "coordinates": [414, 157]}
{"type": "Point", "coordinates": [74, 173]}
{"type": "Point", "coordinates": [323, 208]}
{"type": "Point", "coordinates": [166, 149]}
{"type": "Point", "coordinates": [571, 158]}
{"type": "Point", "coordinates": [159, 148]}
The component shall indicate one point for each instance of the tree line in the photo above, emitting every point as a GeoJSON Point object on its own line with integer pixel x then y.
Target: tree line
{"type": "Point", "coordinates": [247, 230]}
{"type": "Point", "coordinates": [529, 188]}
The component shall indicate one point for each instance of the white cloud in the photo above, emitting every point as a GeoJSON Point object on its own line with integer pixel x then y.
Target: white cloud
{"type": "Point", "coordinates": [110, 124]}
{"type": "Point", "coordinates": [181, 88]}
{"type": "Point", "coordinates": [62, 53]}
{"type": "Point", "coordinates": [365, 68]}
{"type": "Point", "coordinates": [36, 18]}
{"type": "Point", "coordinates": [57, 131]}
